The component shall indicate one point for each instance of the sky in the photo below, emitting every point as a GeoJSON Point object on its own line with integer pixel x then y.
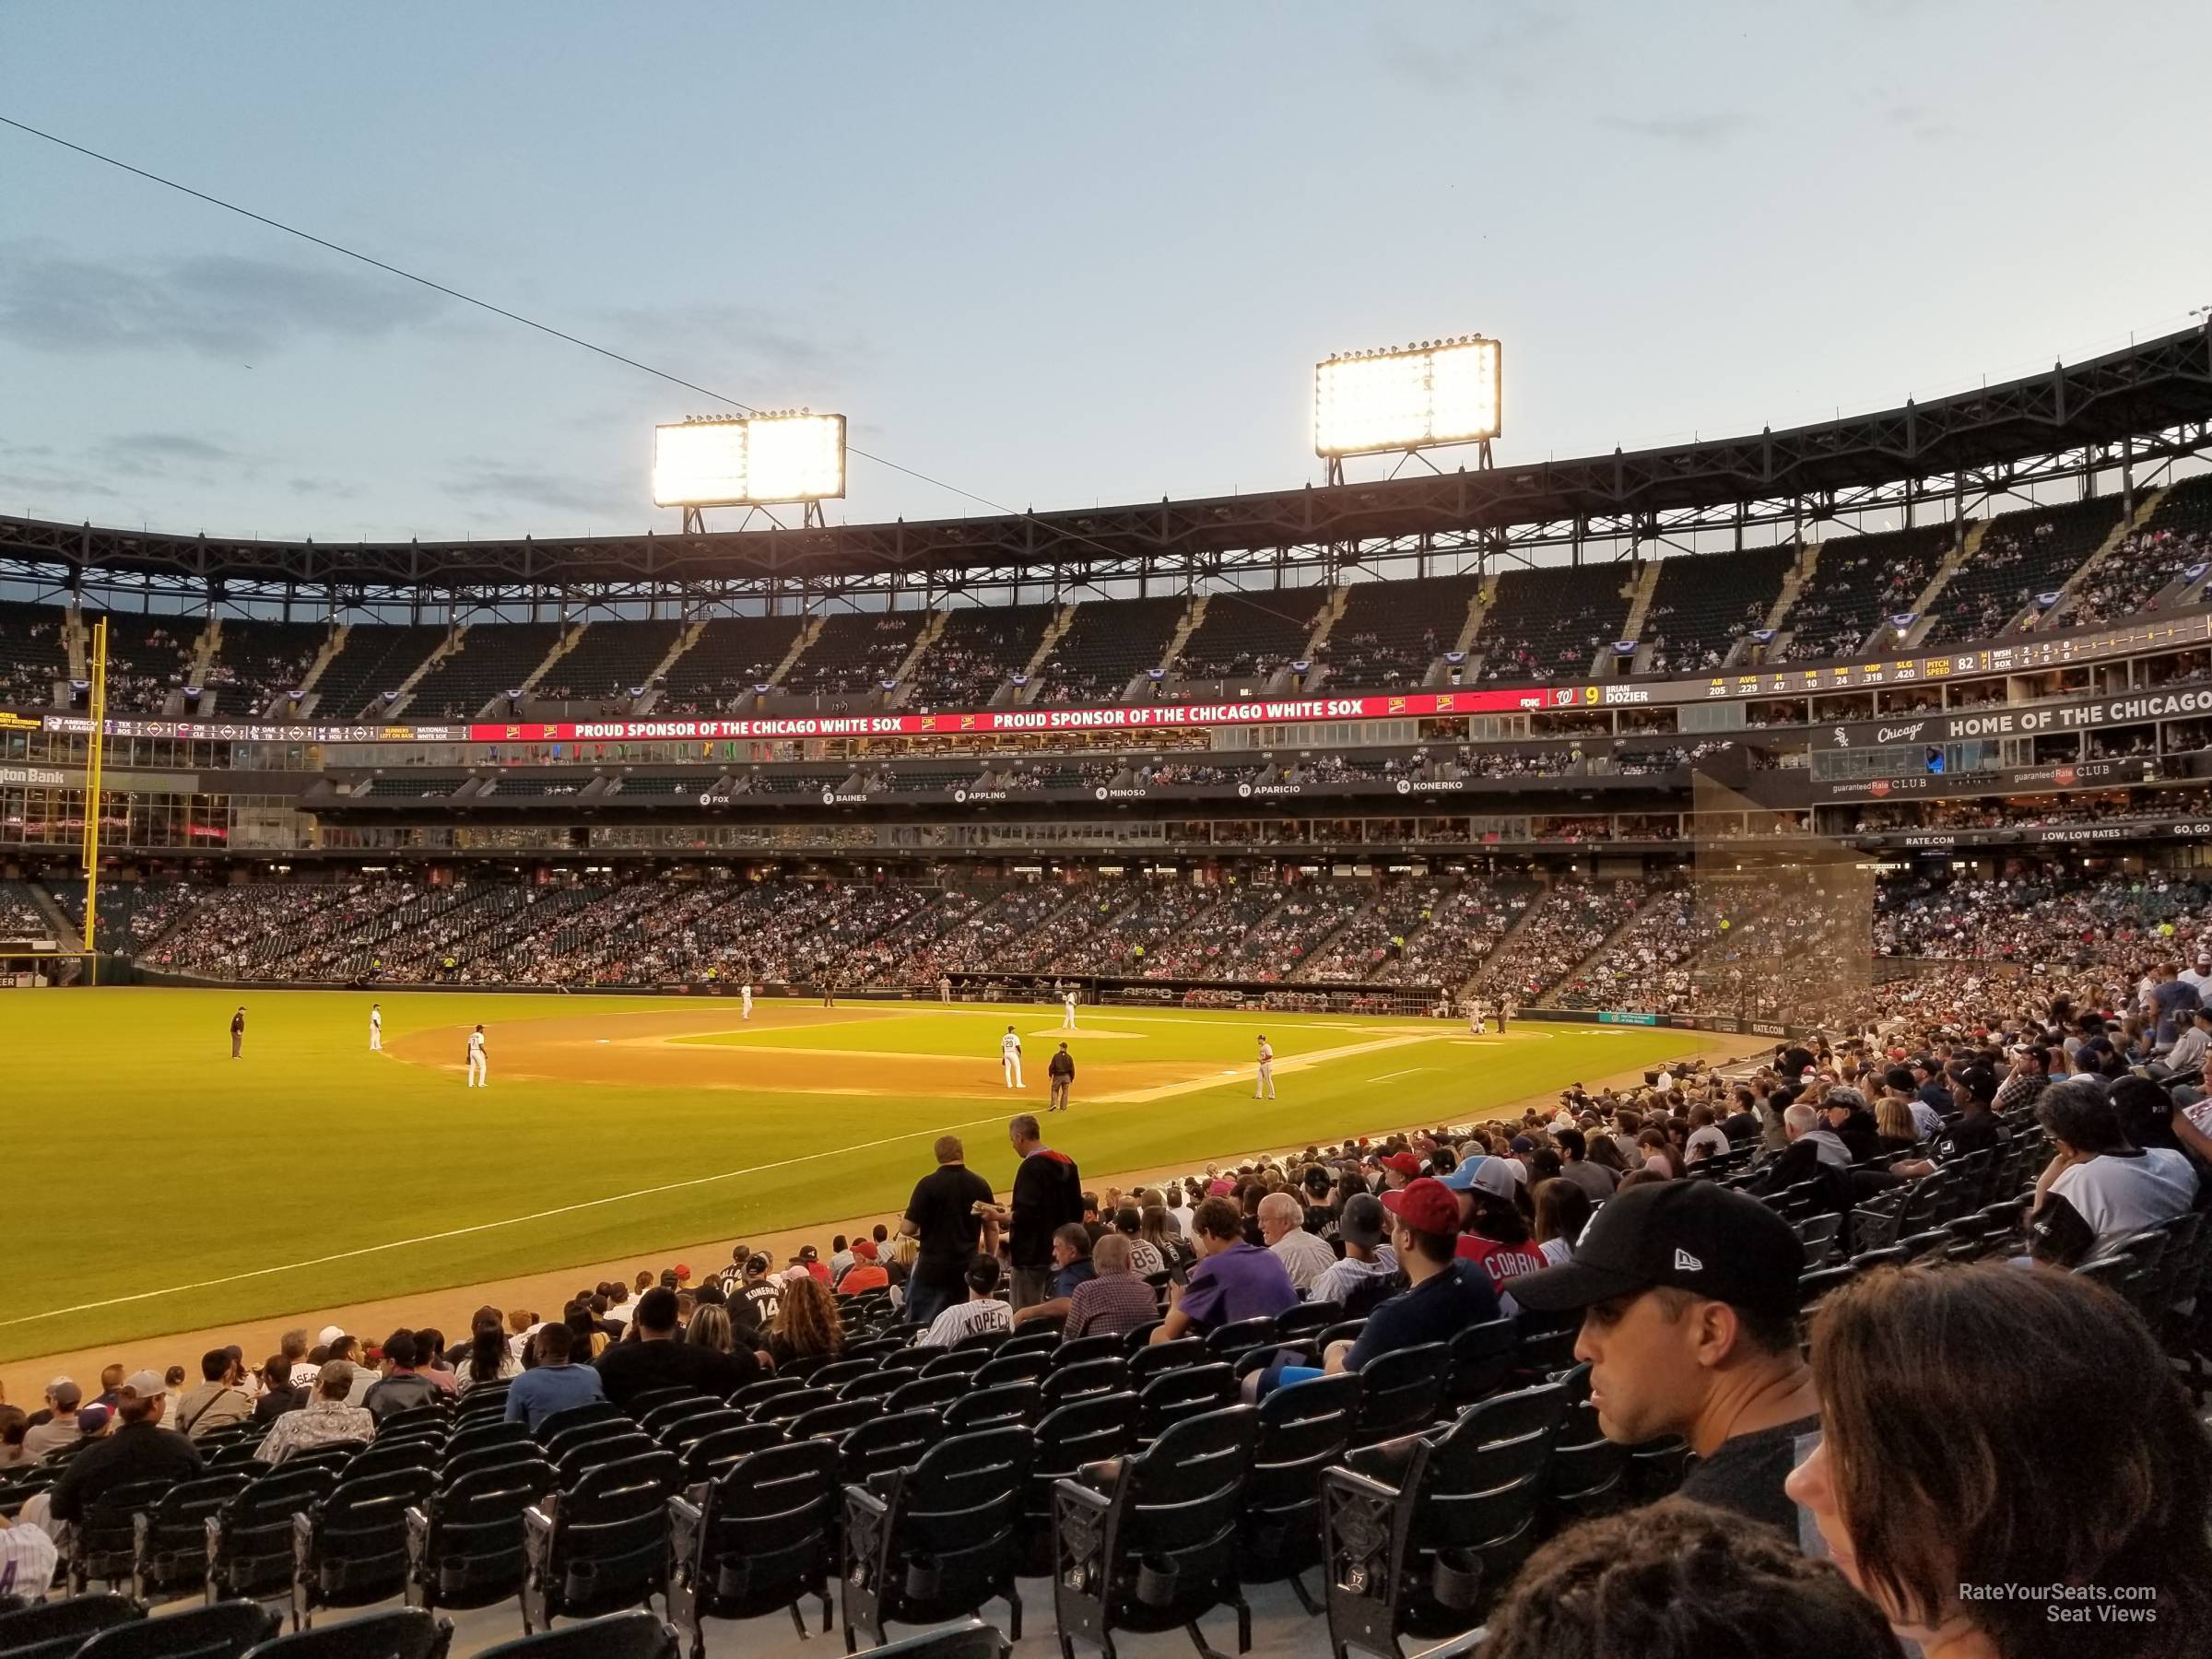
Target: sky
{"type": "Point", "coordinates": [1048, 256]}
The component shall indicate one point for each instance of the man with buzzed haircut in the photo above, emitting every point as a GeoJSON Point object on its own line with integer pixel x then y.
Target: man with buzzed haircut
{"type": "Point", "coordinates": [948, 1215]}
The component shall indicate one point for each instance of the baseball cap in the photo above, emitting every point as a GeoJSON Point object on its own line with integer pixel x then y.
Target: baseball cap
{"type": "Point", "coordinates": [807, 1254]}
{"type": "Point", "coordinates": [1362, 1223]}
{"type": "Point", "coordinates": [64, 1393]}
{"type": "Point", "coordinates": [683, 1270]}
{"type": "Point", "coordinates": [1692, 1235]}
{"type": "Point", "coordinates": [328, 1334]}
{"type": "Point", "coordinates": [865, 1249]}
{"type": "Point", "coordinates": [1491, 1175]}
{"type": "Point", "coordinates": [1426, 1205]}
{"type": "Point", "coordinates": [92, 1420]}
{"type": "Point", "coordinates": [1404, 1163]}
{"type": "Point", "coordinates": [1523, 1143]}
{"type": "Point", "coordinates": [143, 1385]}
{"type": "Point", "coordinates": [757, 1264]}
{"type": "Point", "coordinates": [1220, 1188]}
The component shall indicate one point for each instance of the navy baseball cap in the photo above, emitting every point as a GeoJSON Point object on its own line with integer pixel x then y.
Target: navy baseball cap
{"type": "Point", "coordinates": [1691, 1235]}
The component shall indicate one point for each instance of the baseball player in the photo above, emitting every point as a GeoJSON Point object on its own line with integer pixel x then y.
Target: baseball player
{"type": "Point", "coordinates": [744, 993]}
{"type": "Point", "coordinates": [1265, 1088]}
{"type": "Point", "coordinates": [1067, 1021]}
{"type": "Point", "coordinates": [376, 1030]}
{"type": "Point", "coordinates": [238, 1033]}
{"type": "Point", "coordinates": [1474, 1012]}
{"type": "Point", "coordinates": [478, 1073]}
{"type": "Point", "coordinates": [1061, 1073]}
{"type": "Point", "coordinates": [944, 987]}
{"type": "Point", "coordinates": [1506, 1010]}
{"type": "Point", "coordinates": [1009, 1058]}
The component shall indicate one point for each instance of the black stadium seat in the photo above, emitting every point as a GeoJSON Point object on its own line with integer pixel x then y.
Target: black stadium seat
{"type": "Point", "coordinates": [757, 1539]}
{"type": "Point", "coordinates": [402, 1633]}
{"type": "Point", "coordinates": [1149, 1541]}
{"type": "Point", "coordinates": [936, 1541]}
{"type": "Point", "coordinates": [223, 1631]}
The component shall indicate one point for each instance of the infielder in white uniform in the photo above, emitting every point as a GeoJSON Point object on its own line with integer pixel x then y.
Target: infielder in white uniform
{"type": "Point", "coordinates": [1475, 1011]}
{"type": "Point", "coordinates": [480, 1075]}
{"type": "Point", "coordinates": [1009, 1058]}
{"type": "Point", "coordinates": [746, 991]}
{"type": "Point", "coordinates": [1265, 1088]}
{"type": "Point", "coordinates": [376, 1030]}
{"type": "Point", "coordinates": [1068, 1022]}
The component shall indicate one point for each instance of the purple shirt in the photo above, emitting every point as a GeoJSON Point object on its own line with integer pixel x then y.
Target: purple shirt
{"type": "Point", "coordinates": [1241, 1282]}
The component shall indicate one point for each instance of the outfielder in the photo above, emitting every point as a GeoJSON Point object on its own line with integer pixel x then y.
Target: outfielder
{"type": "Point", "coordinates": [1067, 1022]}
{"type": "Point", "coordinates": [1265, 1088]}
{"type": "Point", "coordinates": [479, 1075]}
{"type": "Point", "coordinates": [376, 1030]}
{"type": "Point", "coordinates": [744, 992]}
{"type": "Point", "coordinates": [1009, 1058]}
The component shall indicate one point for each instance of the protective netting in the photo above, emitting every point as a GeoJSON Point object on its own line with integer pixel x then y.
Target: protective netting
{"type": "Point", "coordinates": [1784, 935]}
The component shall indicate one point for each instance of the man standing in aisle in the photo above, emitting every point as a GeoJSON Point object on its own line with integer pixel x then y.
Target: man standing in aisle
{"type": "Point", "coordinates": [744, 995]}
{"type": "Point", "coordinates": [1061, 1073]}
{"type": "Point", "coordinates": [1265, 1088]}
{"type": "Point", "coordinates": [1048, 1194]}
{"type": "Point", "coordinates": [1009, 1058]}
{"type": "Point", "coordinates": [376, 1029]}
{"type": "Point", "coordinates": [238, 1033]}
{"type": "Point", "coordinates": [480, 1075]}
{"type": "Point", "coordinates": [1068, 1022]}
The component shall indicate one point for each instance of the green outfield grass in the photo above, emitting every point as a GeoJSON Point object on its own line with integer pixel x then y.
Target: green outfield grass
{"type": "Point", "coordinates": [144, 1160]}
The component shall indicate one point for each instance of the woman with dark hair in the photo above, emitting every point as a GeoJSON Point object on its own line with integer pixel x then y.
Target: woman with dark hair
{"type": "Point", "coordinates": [808, 1326]}
{"type": "Point", "coordinates": [1563, 1209]}
{"type": "Point", "coordinates": [1602, 1150]}
{"type": "Point", "coordinates": [590, 1341]}
{"type": "Point", "coordinates": [489, 1359]}
{"type": "Point", "coordinates": [2005, 1454]}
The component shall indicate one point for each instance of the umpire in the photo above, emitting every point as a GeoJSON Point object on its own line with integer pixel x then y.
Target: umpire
{"type": "Point", "coordinates": [1061, 1070]}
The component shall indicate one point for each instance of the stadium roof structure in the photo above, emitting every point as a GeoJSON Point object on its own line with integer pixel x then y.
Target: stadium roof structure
{"type": "Point", "coordinates": [2149, 402]}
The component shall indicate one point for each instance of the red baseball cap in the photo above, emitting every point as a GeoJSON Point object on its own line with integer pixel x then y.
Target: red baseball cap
{"type": "Point", "coordinates": [683, 1270]}
{"type": "Point", "coordinates": [1426, 1205]}
{"type": "Point", "coordinates": [1404, 1163]}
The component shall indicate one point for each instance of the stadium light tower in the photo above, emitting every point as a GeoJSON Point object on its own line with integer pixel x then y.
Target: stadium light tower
{"type": "Point", "coordinates": [1408, 399]}
{"type": "Point", "coordinates": [750, 460]}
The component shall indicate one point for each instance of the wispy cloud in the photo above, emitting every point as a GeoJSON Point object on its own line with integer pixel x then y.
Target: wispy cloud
{"type": "Point", "coordinates": [1695, 131]}
{"type": "Point", "coordinates": [142, 453]}
{"type": "Point", "coordinates": [493, 484]}
{"type": "Point", "coordinates": [1498, 56]}
{"type": "Point", "coordinates": [218, 305]}
{"type": "Point", "coordinates": [750, 353]}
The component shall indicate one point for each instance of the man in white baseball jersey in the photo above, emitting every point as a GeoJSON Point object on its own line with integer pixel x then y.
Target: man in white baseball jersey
{"type": "Point", "coordinates": [480, 1075]}
{"type": "Point", "coordinates": [745, 992]}
{"type": "Point", "coordinates": [1474, 1012]}
{"type": "Point", "coordinates": [28, 1557]}
{"type": "Point", "coordinates": [1009, 1058]}
{"type": "Point", "coordinates": [376, 1030]}
{"type": "Point", "coordinates": [1068, 1022]}
{"type": "Point", "coordinates": [1265, 1088]}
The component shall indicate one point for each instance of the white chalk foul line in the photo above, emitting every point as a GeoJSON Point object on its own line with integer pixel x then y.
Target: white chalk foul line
{"type": "Point", "coordinates": [1408, 1072]}
{"type": "Point", "coordinates": [461, 1233]}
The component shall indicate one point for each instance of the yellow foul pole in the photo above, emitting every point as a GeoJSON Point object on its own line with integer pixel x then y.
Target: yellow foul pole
{"type": "Point", "coordinates": [95, 752]}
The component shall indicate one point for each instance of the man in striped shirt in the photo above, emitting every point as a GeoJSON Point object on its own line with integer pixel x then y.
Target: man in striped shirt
{"type": "Point", "coordinates": [981, 1312]}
